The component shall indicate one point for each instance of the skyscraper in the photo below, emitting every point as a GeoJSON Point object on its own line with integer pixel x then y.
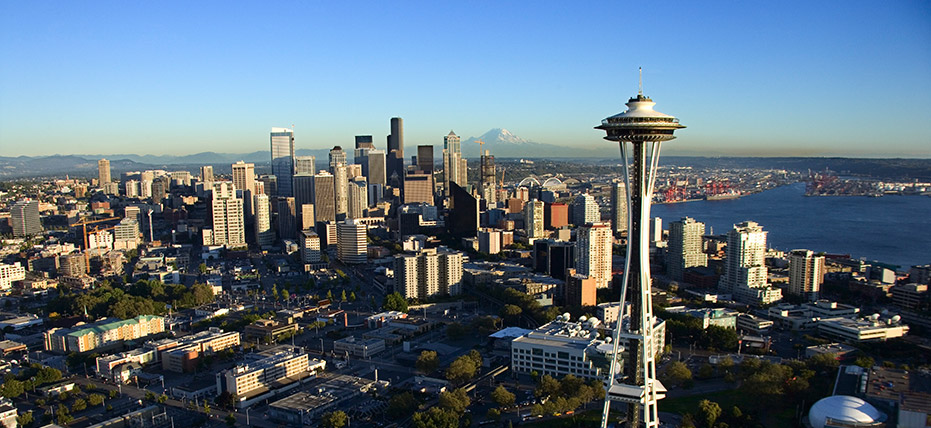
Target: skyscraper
{"type": "Point", "coordinates": [244, 176]}
{"type": "Point", "coordinates": [425, 158]}
{"type": "Point", "coordinates": [745, 272]}
{"type": "Point", "coordinates": [305, 165]}
{"type": "Point", "coordinates": [533, 219]}
{"type": "Point", "coordinates": [358, 198]}
{"type": "Point", "coordinates": [463, 212]}
{"type": "Point", "coordinates": [685, 247]}
{"type": "Point", "coordinates": [396, 148]}
{"type": "Point", "coordinates": [282, 148]}
{"type": "Point", "coordinates": [303, 185]}
{"type": "Point", "coordinates": [375, 169]}
{"type": "Point", "coordinates": [429, 273]}
{"type": "Point", "coordinates": [594, 252]}
{"type": "Point", "coordinates": [228, 228]}
{"type": "Point", "coordinates": [24, 218]}
{"type": "Point", "coordinates": [337, 157]}
{"type": "Point", "coordinates": [310, 246]}
{"type": "Point", "coordinates": [640, 125]}
{"type": "Point", "coordinates": [453, 168]}
{"type": "Point", "coordinates": [585, 210]}
{"type": "Point", "coordinates": [618, 207]}
{"type": "Point", "coordinates": [341, 189]}
{"type": "Point", "coordinates": [487, 178]}
{"type": "Point", "coordinates": [418, 188]}
{"type": "Point", "coordinates": [351, 246]}
{"type": "Point", "coordinates": [324, 197]}
{"type": "Point", "coordinates": [206, 174]}
{"type": "Point", "coordinates": [264, 234]}
{"type": "Point", "coordinates": [103, 172]}
{"type": "Point", "coordinates": [287, 218]}
{"type": "Point", "coordinates": [363, 145]}
{"type": "Point", "coordinates": [806, 272]}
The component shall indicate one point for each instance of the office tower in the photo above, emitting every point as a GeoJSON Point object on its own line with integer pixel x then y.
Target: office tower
{"type": "Point", "coordinates": [282, 147]}
{"type": "Point", "coordinates": [745, 263]}
{"type": "Point", "coordinates": [337, 157]}
{"type": "Point", "coordinates": [429, 273]}
{"type": "Point", "coordinates": [375, 169]}
{"type": "Point", "coordinates": [269, 185]}
{"type": "Point", "coordinates": [324, 197]}
{"type": "Point", "coordinates": [581, 290]}
{"type": "Point", "coordinates": [425, 159]}
{"type": "Point", "coordinates": [685, 247]}
{"type": "Point", "coordinates": [264, 234]}
{"type": "Point", "coordinates": [310, 246]}
{"type": "Point", "coordinates": [351, 246]}
{"type": "Point", "coordinates": [180, 178]}
{"type": "Point", "coordinates": [305, 165]}
{"type": "Point", "coordinates": [160, 188]}
{"type": "Point", "coordinates": [358, 198]}
{"type": "Point", "coordinates": [806, 272]}
{"type": "Point", "coordinates": [594, 251]}
{"type": "Point", "coordinates": [227, 210]}
{"type": "Point", "coordinates": [303, 185]}
{"type": "Point", "coordinates": [103, 172]}
{"type": "Point", "coordinates": [206, 174]}
{"type": "Point", "coordinates": [133, 212]}
{"type": "Point", "coordinates": [618, 208]}
{"type": "Point", "coordinates": [24, 218]}
{"type": "Point", "coordinates": [131, 189]}
{"type": "Point", "coordinates": [308, 221]}
{"type": "Point", "coordinates": [533, 219]}
{"type": "Point", "coordinates": [376, 193]}
{"type": "Point", "coordinates": [639, 125]}
{"type": "Point", "coordinates": [244, 175]}
{"type": "Point", "coordinates": [486, 183]}
{"type": "Point", "coordinates": [463, 211]}
{"type": "Point", "coordinates": [418, 188]}
{"type": "Point", "coordinates": [560, 258]}
{"type": "Point", "coordinates": [656, 230]}
{"type": "Point", "coordinates": [396, 149]}
{"type": "Point", "coordinates": [454, 167]}
{"type": "Point", "coordinates": [287, 218]}
{"type": "Point", "coordinates": [555, 216]}
{"type": "Point", "coordinates": [514, 206]}
{"type": "Point", "coordinates": [585, 210]}
{"type": "Point", "coordinates": [353, 171]}
{"type": "Point", "coordinates": [363, 145]}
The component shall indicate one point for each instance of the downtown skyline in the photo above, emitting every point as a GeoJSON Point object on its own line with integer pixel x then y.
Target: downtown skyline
{"type": "Point", "coordinates": [792, 79]}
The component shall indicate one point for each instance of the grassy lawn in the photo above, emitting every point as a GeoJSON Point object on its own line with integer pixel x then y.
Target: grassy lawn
{"type": "Point", "coordinates": [588, 418]}
{"type": "Point", "coordinates": [727, 400]}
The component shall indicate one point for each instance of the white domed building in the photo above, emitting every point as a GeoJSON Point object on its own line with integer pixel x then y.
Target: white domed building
{"type": "Point", "coordinates": [844, 411]}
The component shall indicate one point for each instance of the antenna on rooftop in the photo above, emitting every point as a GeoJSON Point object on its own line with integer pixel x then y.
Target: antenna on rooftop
{"type": "Point", "coordinates": [640, 90]}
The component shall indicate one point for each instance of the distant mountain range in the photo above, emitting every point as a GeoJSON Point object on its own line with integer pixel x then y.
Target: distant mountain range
{"type": "Point", "coordinates": [504, 144]}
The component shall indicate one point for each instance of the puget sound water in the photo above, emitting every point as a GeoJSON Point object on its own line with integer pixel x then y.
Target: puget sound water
{"type": "Point", "coordinates": [890, 229]}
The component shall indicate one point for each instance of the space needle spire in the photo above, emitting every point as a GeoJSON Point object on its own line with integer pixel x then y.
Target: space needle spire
{"type": "Point", "coordinates": [645, 129]}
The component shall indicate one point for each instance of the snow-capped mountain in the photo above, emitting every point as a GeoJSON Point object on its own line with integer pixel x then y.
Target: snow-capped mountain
{"type": "Point", "coordinates": [503, 143]}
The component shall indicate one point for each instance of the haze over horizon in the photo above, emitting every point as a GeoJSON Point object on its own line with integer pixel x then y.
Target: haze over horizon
{"type": "Point", "coordinates": [785, 79]}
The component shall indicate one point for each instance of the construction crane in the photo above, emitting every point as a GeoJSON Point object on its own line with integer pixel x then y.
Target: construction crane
{"type": "Point", "coordinates": [481, 147]}
{"type": "Point", "coordinates": [84, 223]}
{"type": "Point", "coordinates": [503, 170]}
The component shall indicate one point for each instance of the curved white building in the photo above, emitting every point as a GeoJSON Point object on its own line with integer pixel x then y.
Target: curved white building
{"type": "Point", "coordinates": [851, 411]}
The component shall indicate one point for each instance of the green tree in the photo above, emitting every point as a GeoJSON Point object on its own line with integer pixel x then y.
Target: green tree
{"type": "Point", "coordinates": [678, 372]}
{"type": "Point", "coordinates": [11, 388]}
{"type": "Point", "coordinates": [95, 399]}
{"type": "Point", "coordinates": [337, 419]}
{"type": "Point", "coordinates": [493, 414]}
{"type": "Point", "coordinates": [285, 295]}
{"type": "Point", "coordinates": [275, 291]}
{"type": "Point", "coordinates": [709, 412]}
{"type": "Point", "coordinates": [329, 295]}
{"type": "Point", "coordinates": [202, 294]}
{"type": "Point", "coordinates": [342, 297]}
{"type": "Point", "coordinates": [230, 420]}
{"type": "Point", "coordinates": [547, 386]}
{"type": "Point", "coordinates": [456, 401]}
{"type": "Point", "coordinates": [401, 405]}
{"type": "Point", "coordinates": [511, 313]}
{"type": "Point", "coordinates": [435, 418]}
{"type": "Point", "coordinates": [427, 362]}
{"type": "Point", "coordinates": [352, 296]}
{"type": "Point", "coordinates": [503, 397]}
{"type": "Point", "coordinates": [823, 363]}
{"type": "Point", "coordinates": [395, 302]}
{"type": "Point", "coordinates": [456, 331]}
{"type": "Point", "coordinates": [202, 268]}
{"type": "Point", "coordinates": [865, 362]}
{"type": "Point", "coordinates": [705, 371]}
{"type": "Point", "coordinates": [25, 419]}
{"type": "Point", "coordinates": [461, 370]}
{"type": "Point", "coordinates": [79, 404]}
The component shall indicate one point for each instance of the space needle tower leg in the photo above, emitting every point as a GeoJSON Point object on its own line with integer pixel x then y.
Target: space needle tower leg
{"type": "Point", "coordinates": [645, 129]}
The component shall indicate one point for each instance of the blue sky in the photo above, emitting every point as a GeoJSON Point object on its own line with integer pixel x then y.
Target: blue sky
{"type": "Point", "coordinates": [748, 78]}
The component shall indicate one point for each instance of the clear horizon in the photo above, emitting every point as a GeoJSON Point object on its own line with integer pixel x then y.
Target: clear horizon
{"type": "Point", "coordinates": [847, 79]}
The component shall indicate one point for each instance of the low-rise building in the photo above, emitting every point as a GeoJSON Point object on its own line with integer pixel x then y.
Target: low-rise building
{"type": "Point", "coordinates": [185, 356]}
{"type": "Point", "coordinates": [269, 329]}
{"type": "Point", "coordinates": [561, 348]}
{"type": "Point", "coordinates": [720, 317]}
{"type": "Point", "coordinates": [839, 350]}
{"type": "Point", "coordinates": [20, 323]}
{"type": "Point", "coordinates": [120, 367]}
{"type": "Point", "coordinates": [384, 318]}
{"type": "Point", "coordinates": [304, 408]}
{"type": "Point", "coordinates": [251, 381]}
{"type": "Point", "coordinates": [872, 329]}
{"type": "Point", "coordinates": [361, 348]}
{"type": "Point", "coordinates": [910, 296]}
{"type": "Point", "coordinates": [753, 324]}
{"type": "Point", "coordinates": [86, 337]}
{"type": "Point", "coordinates": [8, 414]}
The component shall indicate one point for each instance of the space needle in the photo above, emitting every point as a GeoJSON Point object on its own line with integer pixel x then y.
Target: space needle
{"type": "Point", "coordinates": [645, 129]}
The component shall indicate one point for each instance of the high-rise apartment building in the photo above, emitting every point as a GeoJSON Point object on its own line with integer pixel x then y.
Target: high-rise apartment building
{"type": "Point", "coordinates": [555, 216]}
{"type": "Point", "coordinates": [745, 272]}
{"type": "Point", "coordinates": [351, 246]}
{"type": "Point", "coordinates": [324, 197]}
{"type": "Point", "coordinates": [244, 176]}
{"type": "Point", "coordinates": [533, 219]}
{"type": "Point", "coordinates": [685, 247]}
{"type": "Point", "coordinates": [594, 252]}
{"type": "Point", "coordinates": [282, 148]}
{"type": "Point", "coordinates": [264, 234]}
{"type": "Point", "coordinates": [358, 197]}
{"type": "Point", "coordinates": [305, 165]}
{"type": "Point", "coordinates": [287, 218]}
{"type": "Point", "coordinates": [581, 290]}
{"type": "Point", "coordinates": [584, 210]}
{"type": "Point", "coordinates": [103, 173]}
{"type": "Point", "coordinates": [341, 189]}
{"type": "Point", "coordinates": [227, 212]}
{"type": "Point", "coordinates": [806, 272]}
{"type": "Point", "coordinates": [24, 218]}
{"type": "Point", "coordinates": [618, 207]}
{"type": "Point", "coordinates": [430, 272]}
{"type": "Point", "coordinates": [9, 274]}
